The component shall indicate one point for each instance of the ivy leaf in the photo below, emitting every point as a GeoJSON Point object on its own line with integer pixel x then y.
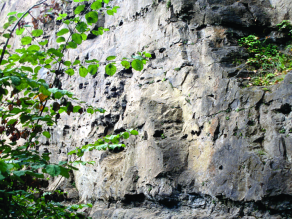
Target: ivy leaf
{"type": "Point", "coordinates": [76, 37]}
{"type": "Point", "coordinates": [125, 135]}
{"type": "Point", "coordinates": [83, 72]}
{"type": "Point", "coordinates": [37, 33]}
{"type": "Point", "coordinates": [11, 121]}
{"type": "Point", "coordinates": [96, 5]}
{"type": "Point", "coordinates": [91, 17]}
{"type": "Point", "coordinates": [19, 31]}
{"type": "Point", "coordinates": [126, 64]}
{"type": "Point", "coordinates": [110, 58]}
{"type": "Point", "coordinates": [76, 62]}
{"type": "Point", "coordinates": [26, 40]}
{"type": "Point", "coordinates": [79, 9]}
{"type": "Point", "coordinates": [137, 65]}
{"type": "Point", "coordinates": [46, 134]}
{"type": "Point", "coordinates": [60, 40]}
{"type": "Point", "coordinates": [92, 69]}
{"type": "Point", "coordinates": [55, 52]}
{"type": "Point", "coordinates": [53, 170]}
{"type": "Point", "coordinates": [62, 32]}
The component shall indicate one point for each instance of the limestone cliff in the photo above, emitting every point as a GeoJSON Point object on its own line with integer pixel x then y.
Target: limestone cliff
{"type": "Point", "coordinates": [207, 147]}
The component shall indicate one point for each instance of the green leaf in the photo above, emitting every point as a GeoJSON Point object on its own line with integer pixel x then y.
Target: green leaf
{"type": "Point", "coordinates": [46, 134]}
{"type": "Point", "coordinates": [60, 40]}
{"type": "Point", "coordinates": [58, 95]}
{"type": "Point", "coordinates": [91, 17]}
{"type": "Point", "coordinates": [55, 52]}
{"type": "Point", "coordinates": [81, 27]}
{"type": "Point", "coordinates": [110, 69]}
{"type": "Point", "coordinates": [126, 135]}
{"type": "Point", "coordinates": [11, 121]}
{"type": "Point", "coordinates": [134, 132]}
{"type": "Point", "coordinates": [76, 62]}
{"type": "Point", "coordinates": [6, 25]}
{"type": "Point", "coordinates": [110, 12]}
{"type": "Point", "coordinates": [110, 58]}
{"type": "Point", "coordinates": [70, 71]}
{"type": "Point", "coordinates": [44, 91]}
{"type": "Point", "coordinates": [83, 72]}
{"type": "Point", "coordinates": [84, 36]}
{"type": "Point", "coordinates": [76, 109]}
{"type": "Point", "coordinates": [53, 170]}
{"type": "Point", "coordinates": [96, 5]}
{"type": "Point", "coordinates": [36, 70]}
{"type": "Point", "coordinates": [6, 35]}
{"type": "Point", "coordinates": [33, 48]}
{"type": "Point", "coordinates": [37, 33]}
{"type": "Point", "coordinates": [63, 31]}
{"type": "Point", "coordinates": [19, 31]}
{"type": "Point", "coordinates": [76, 37]}
{"type": "Point", "coordinates": [25, 68]}
{"type": "Point", "coordinates": [126, 64]}
{"type": "Point", "coordinates": [147, 55]}
{"type": "Point", "coordinates": [43, 43]}
{"type": "Point", "coordinates": [92, 69]}
{"type": "Point", "coordinates": [15, 80]}
{"type": "Point", "coordinates": [72, 45]}
{"type": "Point", "coordinates": [12, 13]}
{"type": "Point", "coordinates": [65, 172]}
{"type": "Point", "coordinates": [79, 9]}
{"type": "Point", "coordinates": [67, 63]}
{"type": "Point", "coordinates": [90, 110]}
{"type": "Point", "coordinates": [26, 40]}
{"type": "Point", "coordinates": [12, 19]}
{"type": "Point", "coordinates": [137, 65]}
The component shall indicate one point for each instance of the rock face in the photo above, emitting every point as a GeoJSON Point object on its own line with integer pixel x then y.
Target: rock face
{"type": "Point", "coordinates": [207, 147]}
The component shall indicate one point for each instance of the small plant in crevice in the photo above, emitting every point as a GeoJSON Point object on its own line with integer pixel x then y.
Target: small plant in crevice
{"type": "Point", "coordinates": [268, 62]}
{"type": "Point", "coordinates": [163, 136]}
{"type": "Point", "coordinates": [168, 4]}
{"type": "Point", "coordinates": [177, 69]}
{"type": "Point", "coordinates": [261, 152]}
{"type": "Point", "coordinates": [282, 131]}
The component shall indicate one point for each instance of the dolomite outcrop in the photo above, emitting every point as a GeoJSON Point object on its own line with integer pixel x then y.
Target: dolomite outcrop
{"type": "Point", "coordinates": [207, 147]}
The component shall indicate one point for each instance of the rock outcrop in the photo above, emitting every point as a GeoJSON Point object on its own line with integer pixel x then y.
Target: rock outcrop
{"type": "Point", "coordinates": [207, 147]}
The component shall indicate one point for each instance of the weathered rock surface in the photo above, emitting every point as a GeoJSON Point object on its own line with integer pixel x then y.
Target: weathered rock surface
{"type": "Point", "coordinates": [207, 147]}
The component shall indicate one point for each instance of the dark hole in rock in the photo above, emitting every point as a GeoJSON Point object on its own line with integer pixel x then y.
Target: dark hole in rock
{"type": "Point", "coordinates": [201, 27]}
{"type": "Point", "coordinates": [251, 123]}
{"type": "Point", "coordinates": [80, 85]}
{"type": "Point", "coordinates": [221, 167]}
{"type": "Point", "coordinates": [122, 179]}
{"type": "Point", "coordinates": [153, 56]}
{"type": "Point", "coordinates": [120, 130]}
{"type": "Point", "coordinates": [94, 170]}
{"type": "Point", "coordinates": [169, 203]}
{"type": "Point", "coordinates": [184, 137]}
{"type": "Point", "coordinates": [158, 133]}
{"type": "Point", "coordinates": [116, 150]}
{"type": "Point", "coordinates": [285, 109]}
{"type": "Point", "coordinates": [134, 198]}
{"type": "Point", "coordinates": [161, 50]}
{"type": "Point", "coordinates": [121, 23]}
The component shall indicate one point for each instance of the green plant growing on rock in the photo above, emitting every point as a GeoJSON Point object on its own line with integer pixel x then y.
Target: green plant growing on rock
{"type": "Point", "coordinates": [269, 63]}
{"type": "Point", "coordinates": [168, 4]}
{"type": "Point", "coordinates": [30, 106]}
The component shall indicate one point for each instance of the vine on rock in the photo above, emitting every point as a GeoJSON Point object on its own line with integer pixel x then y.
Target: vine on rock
{"type": "Point", "coordinates": [30, 104]}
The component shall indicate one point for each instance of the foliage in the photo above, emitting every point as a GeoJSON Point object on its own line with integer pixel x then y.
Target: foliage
{"type": "Point", "coordinates": [266, 59]}
{"type": "Point", "coordinates": [29, 105]}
